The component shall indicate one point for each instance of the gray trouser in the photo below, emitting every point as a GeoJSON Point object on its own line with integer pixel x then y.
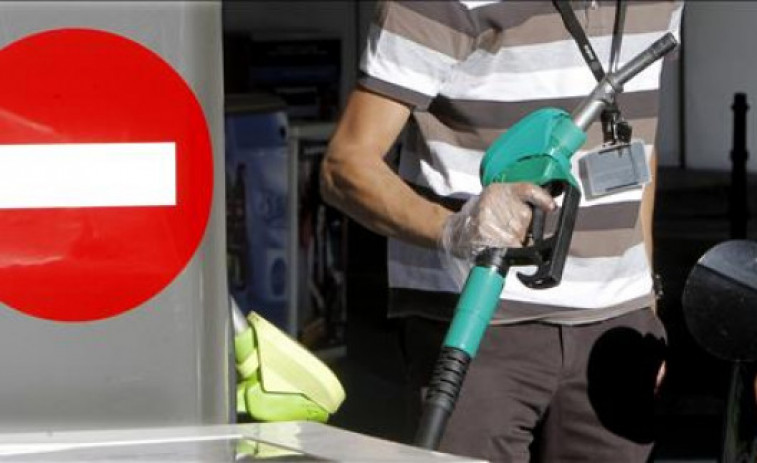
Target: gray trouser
{"type": "Point", "coordinates": [538, 392]}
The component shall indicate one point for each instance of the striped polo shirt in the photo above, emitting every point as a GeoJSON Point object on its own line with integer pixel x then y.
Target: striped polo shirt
{"type": "Point", "coordinates": [471, 69]}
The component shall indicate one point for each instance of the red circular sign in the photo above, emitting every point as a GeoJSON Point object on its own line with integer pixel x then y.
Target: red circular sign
{"type": "Point", "coordinates": [90, 99]}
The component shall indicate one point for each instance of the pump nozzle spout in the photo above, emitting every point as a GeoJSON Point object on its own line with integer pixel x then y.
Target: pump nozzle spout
{"type": "Point", "coordinates": [604, 93]}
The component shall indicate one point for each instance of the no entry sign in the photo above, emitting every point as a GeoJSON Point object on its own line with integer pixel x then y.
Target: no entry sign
{"type": "Point", "coordinates": [106, 174]}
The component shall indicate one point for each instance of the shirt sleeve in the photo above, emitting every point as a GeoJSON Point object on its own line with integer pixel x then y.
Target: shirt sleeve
{"type": "Point", "coordinates": [675, 19]}
{"type": "Point", "coordinates": [413, 46]}
{"type": "Point", "coordinates": [675, 27]}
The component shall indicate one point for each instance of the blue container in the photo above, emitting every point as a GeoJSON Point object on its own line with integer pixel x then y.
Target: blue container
{"type": "Point", "coordinates": [257, 197]}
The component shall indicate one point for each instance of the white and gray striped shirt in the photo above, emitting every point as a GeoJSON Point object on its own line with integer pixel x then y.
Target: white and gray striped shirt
{"type": "Point", "coordinates": [471, 69]}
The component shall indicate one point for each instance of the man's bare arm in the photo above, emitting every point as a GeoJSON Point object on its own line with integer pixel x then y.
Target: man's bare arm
{"type": "Point", "coordinates": [647, 209]}
{"type": "Point", "coordinates": [356, 179]}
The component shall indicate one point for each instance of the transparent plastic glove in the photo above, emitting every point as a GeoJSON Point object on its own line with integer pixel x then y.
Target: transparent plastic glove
{"type": "Point", "coordinates": [499, 217]}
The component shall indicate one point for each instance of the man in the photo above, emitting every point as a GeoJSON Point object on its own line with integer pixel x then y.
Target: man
{"type": "Point", "coordinates": [575, 365]}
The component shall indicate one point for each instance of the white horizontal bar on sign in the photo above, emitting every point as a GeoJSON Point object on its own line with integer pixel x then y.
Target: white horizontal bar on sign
{"type": "Point", "coordinates": [75, 175]}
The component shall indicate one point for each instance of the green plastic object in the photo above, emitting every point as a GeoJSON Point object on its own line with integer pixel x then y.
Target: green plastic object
{"type": "Point", "coordinates": [537, 149]}
{"type": "Point", "coordinates": [279, 380]}
{"type": "Point", "coordinates": [475, 309]}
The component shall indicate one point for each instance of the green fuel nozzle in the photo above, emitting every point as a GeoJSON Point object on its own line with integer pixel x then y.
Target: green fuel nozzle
{"type": "Point", "coordinates": [537, 149]}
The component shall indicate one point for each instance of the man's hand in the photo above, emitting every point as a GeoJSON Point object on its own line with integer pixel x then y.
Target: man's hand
{"type": "Point", "coordinates": [660, 377]}
{"type": "Point", "coordinates": [499, 217]}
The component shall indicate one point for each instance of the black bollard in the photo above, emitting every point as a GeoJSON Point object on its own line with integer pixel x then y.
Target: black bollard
{"type": "Point", "coordinates": [739, 426]}
{"type": "Point", "coordinates": [738, 207]}
{"type": "Point", "coordinates": [720, 305]}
